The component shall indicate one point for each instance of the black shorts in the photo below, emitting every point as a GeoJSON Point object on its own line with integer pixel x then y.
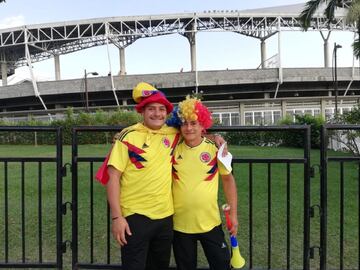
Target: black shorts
{"type": "Point", "coordinates": [213, 243]}
{"type": "Point", "coordinates": [149, 246]}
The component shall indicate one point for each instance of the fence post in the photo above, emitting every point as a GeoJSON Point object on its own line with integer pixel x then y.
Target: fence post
{"type": "Point", "coordinates": [307, 146]}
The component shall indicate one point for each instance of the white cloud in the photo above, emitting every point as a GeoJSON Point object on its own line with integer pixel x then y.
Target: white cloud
{"type": "Point", "coordinates": [12, 22]}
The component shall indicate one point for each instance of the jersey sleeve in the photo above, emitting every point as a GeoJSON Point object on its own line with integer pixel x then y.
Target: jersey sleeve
{"type": "Point", "coordinates": [119, 156]}
{"type": "Point", "coordinates": [222, 169]}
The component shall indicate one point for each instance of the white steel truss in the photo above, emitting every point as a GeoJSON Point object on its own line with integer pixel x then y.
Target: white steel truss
{"type": "Point", "coordinates": [47, 40]}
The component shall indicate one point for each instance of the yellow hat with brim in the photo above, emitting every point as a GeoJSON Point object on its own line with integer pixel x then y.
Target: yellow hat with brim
{"type": "Point", "coordinates": [143, 90]}
{"type": "Point", "coordinates": [144, 93]}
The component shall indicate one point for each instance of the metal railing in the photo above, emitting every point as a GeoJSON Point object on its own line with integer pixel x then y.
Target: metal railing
{"type": "Point", "coordinates": [24, 209]}
{"type": "Point", "coordinates": [112, 257]}
{"type": "Point", "coordinates": [339, 215]}
{"type": "Point", "coordinates": [275, 204]}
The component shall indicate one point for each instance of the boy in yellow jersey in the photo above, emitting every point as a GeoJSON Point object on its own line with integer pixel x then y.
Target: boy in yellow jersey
{"type": "Point", "coordinates": [196, 171]}
{"type": "Point", "coordinates": [139, 186]}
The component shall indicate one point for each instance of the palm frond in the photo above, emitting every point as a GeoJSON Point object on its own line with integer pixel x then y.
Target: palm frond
{"type": "Point", "coordinates": [308, 12]}
{"type": "Point", "coordinates": [330, 9]}
{"type": "Point", "coordinates": [356, 48]}
{"type": "Point", "coordinates": [354, 12]}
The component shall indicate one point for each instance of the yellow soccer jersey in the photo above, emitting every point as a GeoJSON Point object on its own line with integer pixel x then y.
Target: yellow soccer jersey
{"type": "Point", "coordinates": [144, 158]}
{"type": "Point", "coordinates": [195, 187]}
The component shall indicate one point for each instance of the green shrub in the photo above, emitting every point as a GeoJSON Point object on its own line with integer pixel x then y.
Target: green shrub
{"type": "Point", "coordinates": [296, 139]}
{"type": "Point", "coordinates": [99, 118]}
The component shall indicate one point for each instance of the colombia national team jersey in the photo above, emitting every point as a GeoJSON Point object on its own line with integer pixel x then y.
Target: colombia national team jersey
{"type": "Point", "coordinates": [144, 158]}
{"type": "Point", "coordinates": [195, 187]}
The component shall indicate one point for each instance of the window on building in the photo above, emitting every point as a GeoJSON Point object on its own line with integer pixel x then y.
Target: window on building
{"type": "Point", "coordinates": [277, 116]}
{"type": "Point", "coordinates": [249, 118]}
{"type": "Point", "coordinates": [216, 118]}
{"type": "Point", "coordinates": [258, 119]}
{"type": "Point", "coordinates": [235, 119]}
{"type": "Point", "coordinates": [225, 119]}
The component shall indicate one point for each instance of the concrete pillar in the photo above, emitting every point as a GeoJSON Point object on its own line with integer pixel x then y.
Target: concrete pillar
{"type": "Point", "coordinates": [283, 109]}
{"type": "Point", "coordinates": [263, 53]}
{"type": "Point", "coordinates": [326, 53]}
{"type": "Point", "coordinates": [57, 67]}
{"type": "Point", "coordinates": [322, 107]}
{"type": "Point", "coordinates": [242, 113]}
{"type": "Point", "coordinates": [191, 36]}
{"type": "Point", "coordinates": [122, 61]}
{"type": "Point", "coordinates": [4, 73]}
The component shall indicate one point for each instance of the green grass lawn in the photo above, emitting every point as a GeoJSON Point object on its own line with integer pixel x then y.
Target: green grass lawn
{"type": "Point", "coordinates": [260, 195]}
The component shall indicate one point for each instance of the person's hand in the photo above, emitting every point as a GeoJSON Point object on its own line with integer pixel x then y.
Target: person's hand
{"type": "Point", "coordinates": [234, 229]}
{"type": "Point", "coordinates": [120, 228]}
{"type": "Point", "coordinates": [219, 141]}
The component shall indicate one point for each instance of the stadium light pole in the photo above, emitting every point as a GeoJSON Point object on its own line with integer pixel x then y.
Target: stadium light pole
{"type": "Point", "coordinates": [336, 46]}
{"type": "Point", "coordinates": [86, 88]}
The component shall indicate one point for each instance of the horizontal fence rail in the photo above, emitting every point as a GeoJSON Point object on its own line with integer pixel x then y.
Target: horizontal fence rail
{"type": "Point", "coordinates": [31, 194]}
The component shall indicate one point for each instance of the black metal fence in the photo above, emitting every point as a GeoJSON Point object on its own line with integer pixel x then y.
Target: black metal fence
{"type": "Point", "coordinates": [31, 220]}
{"type": "Point", "coordinates": [97, 217]}
{"type": "Point", "coordinates": [278, 195]}
{"type": "Point", "coordinates": [340, 204]}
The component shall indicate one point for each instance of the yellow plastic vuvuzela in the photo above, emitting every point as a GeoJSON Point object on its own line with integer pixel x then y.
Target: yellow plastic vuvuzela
{"type": "Point", "coordinates": [236, 261]}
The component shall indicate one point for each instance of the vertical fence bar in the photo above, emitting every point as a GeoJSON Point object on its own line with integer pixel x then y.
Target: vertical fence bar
{"type": "Point", "coordinates": [59, 188]}
{"type": "Point", "coordinates": [323, 196]}
{"type": "Point", "coordinates": [40, 209]}
{"type": "Point", "coordinates": [306, 255]}
{"type": "Point", "coordinates": [74, 198]}
{"type": "Point", "coordinates": [341, 215]}
{"type": "Point", "coordinates": [358, 215]}
{"type": "Point", "coordinates": [250, 215]}
{"type": "Point", "coordinates": [269, 215]}
{"type": "Point", "coordinates": [91, 213]}
{"type": "Point", "coordinates": [108, 234]}
{"type": "Point", "coordinates": [6, 203]}
{"type": "Point", "coordinates": [288, 216]}
{"type": "Point", "coordinates": [23, 210]}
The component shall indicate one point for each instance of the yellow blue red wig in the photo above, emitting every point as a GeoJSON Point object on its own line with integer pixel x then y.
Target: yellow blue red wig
{"type": "Point", "coordinates": [191, 109]}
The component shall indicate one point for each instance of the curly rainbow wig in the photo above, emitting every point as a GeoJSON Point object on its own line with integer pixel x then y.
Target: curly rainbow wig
{"type": "Point", "coordinates": [191, 109]}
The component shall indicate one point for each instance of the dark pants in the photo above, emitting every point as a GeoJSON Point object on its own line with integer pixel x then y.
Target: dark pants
{"type": "Point", "coordinates": [213, 243]}
{"type": "Point", "coordinates": [149, 246]}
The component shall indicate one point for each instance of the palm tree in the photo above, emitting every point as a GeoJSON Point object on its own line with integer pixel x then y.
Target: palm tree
{"type": "Point", "coordinates": [353, 15]}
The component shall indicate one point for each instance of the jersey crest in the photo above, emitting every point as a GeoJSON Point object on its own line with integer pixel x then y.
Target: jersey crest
{"type": "Point", "coordinates": [205, 157]}
{"type": "Point", "coordinates": [166, 142]}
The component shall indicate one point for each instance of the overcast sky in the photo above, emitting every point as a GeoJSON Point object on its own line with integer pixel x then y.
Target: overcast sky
{"type": "Point", "coordinates": [170, 53]}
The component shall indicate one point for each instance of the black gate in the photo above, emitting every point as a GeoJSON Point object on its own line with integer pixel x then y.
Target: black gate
{"type": "Point", "coordinates": [275, 231]}
{"type": "Point", "coordinates": [283, 243]}
{"type": "Point", "coordinates": [31, 198]}
{"type": "Point", "coordinates": [340, 200]}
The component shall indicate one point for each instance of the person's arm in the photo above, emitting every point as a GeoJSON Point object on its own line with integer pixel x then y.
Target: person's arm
{"type": "Point", "coordinates": [119, 223]}
{"type": "Point", "coordinates": [230, 192]}
{"type": "Point", "coordinates": [218, 140]}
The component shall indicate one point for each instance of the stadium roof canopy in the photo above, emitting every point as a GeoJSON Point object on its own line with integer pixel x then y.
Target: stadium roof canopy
{"type": "Point", "coordinates": [42, 41]}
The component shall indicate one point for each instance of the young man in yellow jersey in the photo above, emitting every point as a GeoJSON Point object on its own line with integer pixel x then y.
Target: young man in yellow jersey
{"type": "Point", "coordinates": [196, 171]}
{"type": "Point", "coordinates": [139, 187]}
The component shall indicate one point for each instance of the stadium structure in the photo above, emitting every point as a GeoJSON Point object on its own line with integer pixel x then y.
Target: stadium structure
{"type": "Point", "coordinates": [259, 96]}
